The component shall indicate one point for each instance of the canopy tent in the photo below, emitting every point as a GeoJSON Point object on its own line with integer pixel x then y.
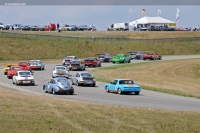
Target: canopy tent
{"type": "Point", "coordinates": [151, 20]}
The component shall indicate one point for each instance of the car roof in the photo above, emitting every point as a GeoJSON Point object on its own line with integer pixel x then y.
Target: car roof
{"type": "Point", "coordinates": [56, 78]}
{"type": "Point", "coordinates": [83, 72]}
{"type": "Point", "coordinates": [123, 79]}
{"type": "Point", "coordinates": [23, 71]}
{"type": "Point", "coordinates": [34, 60]}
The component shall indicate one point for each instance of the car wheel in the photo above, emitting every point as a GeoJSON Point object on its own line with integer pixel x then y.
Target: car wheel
{"type": "Point", "coordinates": [119, 91]}
{"type": "Point", "coordinates": [100, 65]}
{"type": "Point", "coordinates": [107, 90]}
{"type": "Point", "coordinates": [71, 93]}
{"type": "Point", "coordinates": [33, 84]}
{"type": "Point", "coordinates": [53, 92]}
{"type": "Point", "coordinates": [160, 58]}
{"type": "Point", "coordinates": [137, 93]}
{"type": "Point", "coordinates": [13, 82]}
{"type": "Point", "coordinates": [93, 85]}
{"type": "Point", "coordinates": [113, 62]}
{"type": "Point", "coordinates": [72, 82]}
{"type": "Point", "coordinates": [77, 83]}
{"type": "Point", "coordinates": [5, 73]}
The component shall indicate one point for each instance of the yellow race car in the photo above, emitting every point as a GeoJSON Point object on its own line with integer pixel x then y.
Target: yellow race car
{"type": "Point", "coordinates": [8, 67]}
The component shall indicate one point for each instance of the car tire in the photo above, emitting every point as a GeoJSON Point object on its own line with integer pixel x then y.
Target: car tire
{"type": "Point", "coordinates": [113, 62]}
{"type": "Point", "coordinates": [119, 91]}
{"type": "Point", "coordinates": [13, 82]}
{"type": "Point", "coordinates": [77, 84]}
{"type": "Point", "coordinates": [53, 92]}
{"type": "Point", "coordinates": [93, 85]}
{"type": "Point", "coordinates": [160, 58]}
{"type": "Point", "coordinates": [137, 93]}
{"type": "Point", "coordinates": [5, 73]}
{"type": "Point", "coordinates": [106, 89]}
{"type": "Point", "coordinates": [33, 84]}
{"type": "Point", "coordinates": [72, 82]}
{"type": "Point", "coordinates": [100, 65]}
{"type": "Point", "coordinates": [71, 93]}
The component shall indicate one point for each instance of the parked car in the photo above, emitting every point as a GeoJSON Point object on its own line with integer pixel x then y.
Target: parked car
{"type": "Point", "coordinates": [35, 28]}
{"type": "Point", "coordinates": [12, 71]}
{"type": "Point", "coordinates": [83, 27]}
{"type": "Point", "coordinates": [122, 86]}
{"type": "Point", "coordinates": [7, 68]}
{"type": "Point", "coordinates": [68, 60]}
{"type": "Point", "coordinates": [60, 71]}
{"type": "Point", "coordinates": [121, 58]}
{"type": "Point", "coordinates": [83, 78]}
{"type": "Point", "coordinates": [26, 28]}
{"type": "Point", "coordinates": [92, 62]}
{"type": "Point", "coordinates": [25, 65]}
{"type": "Point", "coordinates": [151, 56]}
{"type": "Point", "coordinates": [36, 64]}
{"type": "Point", "coordinates": [58, 85]}
{"type": "Point", "coordinates": [105, 57]}
{"type": "Point", "coordinates": [77, 65]}
{"type": "Point", "coordinates": [23, 77]}
{"type": "Point", "coordinates": [68, 28]}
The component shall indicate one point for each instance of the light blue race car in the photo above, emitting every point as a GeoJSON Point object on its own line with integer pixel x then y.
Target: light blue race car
{"type": "Point", "coordinates": [122, 86]}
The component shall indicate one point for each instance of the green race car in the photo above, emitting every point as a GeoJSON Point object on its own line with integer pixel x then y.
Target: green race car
{"type": "Point", "coordinates": [121, 58]}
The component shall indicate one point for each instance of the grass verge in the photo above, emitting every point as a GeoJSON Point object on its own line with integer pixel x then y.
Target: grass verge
{"type": "Point", "coordinates": [180, 77]}
{"type": "Point", "coordinates": [22, 112]}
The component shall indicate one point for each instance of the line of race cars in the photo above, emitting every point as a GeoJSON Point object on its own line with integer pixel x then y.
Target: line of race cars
{"type": "Point", "coordinates": [21, 73]}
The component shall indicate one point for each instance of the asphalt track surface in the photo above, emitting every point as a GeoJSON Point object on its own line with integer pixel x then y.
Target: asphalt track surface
{"type": "Point", "coordinates": [146, 99]}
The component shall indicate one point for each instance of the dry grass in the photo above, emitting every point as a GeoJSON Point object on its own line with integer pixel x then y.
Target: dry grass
{"type": "Point", "coordinates": [26, 113]}
{"type": "Point", "coordinates": [116, 34]}
{"type": "Point", "coordinates": [180, 75]}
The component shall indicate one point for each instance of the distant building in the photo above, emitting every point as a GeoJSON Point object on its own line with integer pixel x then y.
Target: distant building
{"type": "Point", "coordinates": [152, 23]}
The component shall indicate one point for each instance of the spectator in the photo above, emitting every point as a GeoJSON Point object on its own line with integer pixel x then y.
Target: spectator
{"type": "Point", "coordinates": [58, 26]}
{"type": "Point", "coordinates": [94, 38]}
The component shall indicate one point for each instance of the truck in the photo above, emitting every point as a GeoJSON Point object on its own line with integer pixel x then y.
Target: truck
{"type": "Point", "coordinates": [118, 27]}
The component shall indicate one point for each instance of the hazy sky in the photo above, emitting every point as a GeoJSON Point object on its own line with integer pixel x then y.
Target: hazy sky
{"type": "Point", "coordinates": [101, 16]}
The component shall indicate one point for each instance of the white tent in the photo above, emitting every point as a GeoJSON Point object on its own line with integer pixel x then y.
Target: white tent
{"type": "Point", "coordinates": [151, 20]}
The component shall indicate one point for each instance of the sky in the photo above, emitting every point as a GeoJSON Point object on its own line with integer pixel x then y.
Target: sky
{"type": "Point", "coordinates": [100, 15]}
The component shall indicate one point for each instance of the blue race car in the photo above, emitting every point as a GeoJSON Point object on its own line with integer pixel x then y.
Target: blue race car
{"type": "Point", "coordinates": [122, 86]}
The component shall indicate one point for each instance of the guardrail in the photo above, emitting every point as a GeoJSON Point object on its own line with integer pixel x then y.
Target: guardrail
{"type": "Point", "coordinates": [54, 37]}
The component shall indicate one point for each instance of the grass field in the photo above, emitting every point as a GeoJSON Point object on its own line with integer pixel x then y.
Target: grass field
{"type": "Point", "coordinates": [181, 77]}
{"type": "Point", "coordinates": [27, 48]}
{"type": "Point", "coordinates": [26, 113]}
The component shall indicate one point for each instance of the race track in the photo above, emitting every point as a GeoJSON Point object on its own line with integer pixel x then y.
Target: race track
{"type": "Point", "coordinates": [146, 99]}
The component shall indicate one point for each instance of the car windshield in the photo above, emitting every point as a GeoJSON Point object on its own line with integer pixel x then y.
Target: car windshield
{"type": "Point", "coordinates": [107, 55]}
{"type": "Point", "coordinates": [16, 68]}
{"type": "Point", "coordinates": [60, 68]}
{"type": "Point", "coordinates": [126, 82]}
{"type": "Point", "coordinates": [89, 59]}
{"type": "Point", "coordinates": [101, 56]}
{"type": "Point", "coordinates": [34, 62]}
{"type": "Point", "coordinates": [62, 80]}
{"type": "Point", "coordinates": [133, 53]}
{"type": "Point", "coordinates": [69, 57]}
{"type": "Point", "coordinates": [86, 75]}
{"type": "Point", "coordinates": [24, 73]}
{"type": "Point", "coordinates": [75, 62]}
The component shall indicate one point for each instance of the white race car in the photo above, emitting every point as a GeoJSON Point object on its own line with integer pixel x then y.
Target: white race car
{"type": "Point", "coordinates": [23, 77]}
{"type": "Point", "coordinates": [60, 71]}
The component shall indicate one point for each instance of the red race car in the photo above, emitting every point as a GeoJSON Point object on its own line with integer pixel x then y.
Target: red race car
{"type": "Point", "coordinates": [12, 71]}
{"type": "Point", "coordinates": [92, 62]}
{"type": "Point", "coordinates": [25, 65]}
{"type": "Point", "coordinates": [151, 56]}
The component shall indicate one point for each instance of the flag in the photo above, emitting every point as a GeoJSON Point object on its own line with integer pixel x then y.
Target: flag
{"type": "Point", "coordinates": [144, 11]}
{"type": "Point", "coordinates": [131, 10]}
{"type": "Point", "coordinates": [178, 11]}
{"type": "Point", "coordinates": [177, 17]}
{"type": "Point", "coordinates": [159, 11]}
